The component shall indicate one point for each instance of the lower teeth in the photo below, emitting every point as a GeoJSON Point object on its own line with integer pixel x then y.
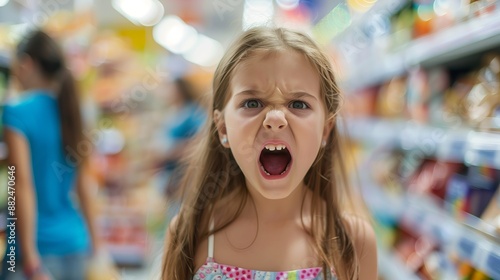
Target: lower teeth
{"type": "Point", "coordinates": [263, 169]}
{"type": "Point", "coordinates": [268, 174]}
{"type": "Point", "coordinates": [286, 169]}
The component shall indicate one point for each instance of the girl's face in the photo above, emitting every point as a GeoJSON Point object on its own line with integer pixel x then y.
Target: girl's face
{"type": "Point", "coordinates": [275, 121]}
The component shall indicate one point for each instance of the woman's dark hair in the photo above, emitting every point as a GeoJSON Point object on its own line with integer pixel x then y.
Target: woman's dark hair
{"type": "Point", "coordinates": [186, 89]}
{"type": "Point", "coordinates": [48, 56]}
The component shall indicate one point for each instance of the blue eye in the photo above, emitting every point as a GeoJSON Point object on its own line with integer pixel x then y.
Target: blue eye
{"type": "Point", "coordinates": [252, 104]}
{"type": "Point", "coordinates": [298, 105]}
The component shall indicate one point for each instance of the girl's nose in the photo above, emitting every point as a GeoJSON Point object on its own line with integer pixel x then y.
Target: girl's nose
{"type": "Point", "coordinates": [275, 120]}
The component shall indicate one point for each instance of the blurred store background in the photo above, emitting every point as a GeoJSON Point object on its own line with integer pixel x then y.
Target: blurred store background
{"type": "Point", "coordinates": [422, 113]}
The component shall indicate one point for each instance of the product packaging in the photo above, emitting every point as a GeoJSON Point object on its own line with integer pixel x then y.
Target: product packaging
{"type": "Point", "coordinates": [433, 177]}
{"type": "Point", "coordinates": [483, 182]}
{"type": "Point", "coordinates": [418, 94]}
{"type": "Point", "coordinates": [392, 98]}
{"type": "Point", "coordinates": [457, 191]}
{"type": "Point", "coordinates": [484, 96]}
{"type": "Point", "coordinates": [492, 213]}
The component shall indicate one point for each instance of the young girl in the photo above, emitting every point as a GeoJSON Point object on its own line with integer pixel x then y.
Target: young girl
{"type": "Point", "coordinates": [266, 191]}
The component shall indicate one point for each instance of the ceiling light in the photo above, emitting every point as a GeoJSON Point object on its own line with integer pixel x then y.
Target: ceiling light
{"type": "Point", "coordinates": [257, 13]}
{"type": "Point", "coordinates": [206, 52]}
{"type": "Point", "coordinates": [288, 4]}
{"type": "Point", "coordinates": [146, 12]}
{"type": "Point", "coordinates": [174, 35]}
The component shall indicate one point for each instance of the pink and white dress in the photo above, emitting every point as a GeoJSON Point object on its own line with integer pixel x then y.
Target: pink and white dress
{"type": "Point", "coordinates": [212, 270]}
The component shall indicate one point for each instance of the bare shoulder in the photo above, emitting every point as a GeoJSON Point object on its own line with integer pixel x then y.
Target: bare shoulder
{"type": "Point", "coordinates": [365, 244]}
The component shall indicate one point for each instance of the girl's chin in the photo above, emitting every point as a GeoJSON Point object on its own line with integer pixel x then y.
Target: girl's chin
{"type": "Point", "coordinates": [275, 195]}
{"type": "Point", "coordinates": [275, 190]}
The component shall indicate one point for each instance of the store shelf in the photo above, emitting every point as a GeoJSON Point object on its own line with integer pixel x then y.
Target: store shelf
{"type": "Point", "coordinates": [455, 145]}
{"type": "Point", "coordinates": [455, 42]}
{"type": "Point", "coordinates": [423, 216]}
{"type": "Point", "coordinates": [391, 267]}
{"type": "Point", "coordinates": [474, 36]}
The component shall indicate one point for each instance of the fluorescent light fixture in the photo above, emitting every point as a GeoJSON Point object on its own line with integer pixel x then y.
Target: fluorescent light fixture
{"type": "Point", "coordinates": [287, 4]}
{"type": "Point", "coordinates": [145, 12]}
{"type": "Point", "coordinates": [3, 2]}
{"type": "Point", "coordinates": [177, 37]}
{"type": "Point", "coordinates": [174, 35]}
{"type": "Point", "coordinates": [441, 7]}
{"type": "Point", "coordinates": [257, 13]}
{"type": "Point", "coordinates": [206, 52]}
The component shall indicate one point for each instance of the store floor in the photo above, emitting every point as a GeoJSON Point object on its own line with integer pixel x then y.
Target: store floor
{"type": "Point", "coordinates": [152, 267]}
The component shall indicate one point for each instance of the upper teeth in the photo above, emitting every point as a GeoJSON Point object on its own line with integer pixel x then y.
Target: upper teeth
{"type": "Point", "coordinates": [275, 147]}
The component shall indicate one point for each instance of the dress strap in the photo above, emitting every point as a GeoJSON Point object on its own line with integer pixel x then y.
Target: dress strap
{"type": "Point", "coordinates": [211, 241]}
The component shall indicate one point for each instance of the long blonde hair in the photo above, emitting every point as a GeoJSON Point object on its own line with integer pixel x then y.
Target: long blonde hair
{"type": "Point", "coordinates": [213, 177]}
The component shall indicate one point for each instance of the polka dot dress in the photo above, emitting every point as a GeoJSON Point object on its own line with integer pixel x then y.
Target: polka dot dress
{"type": "Point", "coordinates": [214, 271]}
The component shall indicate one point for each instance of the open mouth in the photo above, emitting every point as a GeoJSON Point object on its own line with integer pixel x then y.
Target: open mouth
{"type": "Point", "coordinates": [275, 160]}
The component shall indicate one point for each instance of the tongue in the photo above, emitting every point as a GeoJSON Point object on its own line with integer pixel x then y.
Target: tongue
{"type": "Point", "coordinates": [274, 163]}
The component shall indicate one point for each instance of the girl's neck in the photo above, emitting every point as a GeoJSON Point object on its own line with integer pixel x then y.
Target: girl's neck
{"type": "Point", "coordinates": [276, 210]}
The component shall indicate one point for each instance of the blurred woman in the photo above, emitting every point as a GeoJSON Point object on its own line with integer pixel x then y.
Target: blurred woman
{"type": "Point", "coordinates": [44, 135]}
{"type": "Point", "coordinates": [186, 116]}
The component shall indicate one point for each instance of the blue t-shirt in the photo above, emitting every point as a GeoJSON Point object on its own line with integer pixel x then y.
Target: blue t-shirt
{"type": "Point", "coordinates": [187, 122]}
{"type": "Point", "coordinates": [60, 226]}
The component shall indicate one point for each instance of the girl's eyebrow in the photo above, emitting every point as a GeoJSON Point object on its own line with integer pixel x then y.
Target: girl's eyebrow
{"type": "Point", "coordinates": [249, 92]}
{"type": "Point", "coordinates": [300, 94]}
{"type": "Point", "coordinates": [296, 94]}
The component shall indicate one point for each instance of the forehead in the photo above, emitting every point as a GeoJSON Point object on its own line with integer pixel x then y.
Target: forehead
{"type": "Point", "coordinates": [286, 70]}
